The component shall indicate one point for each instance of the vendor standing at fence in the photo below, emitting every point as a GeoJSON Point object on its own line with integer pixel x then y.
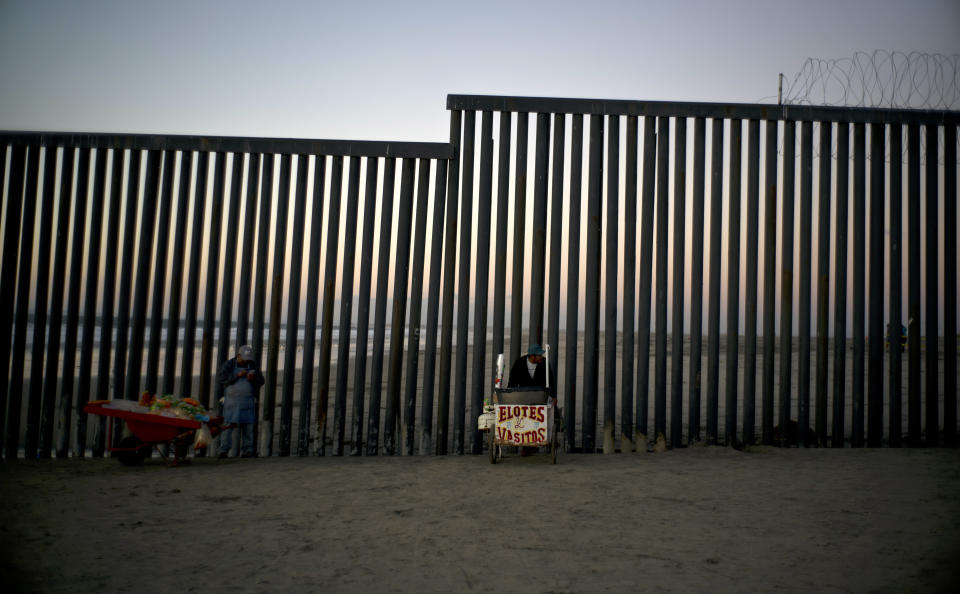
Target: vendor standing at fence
{"type": "Point", "coordinates": [241, 381]}
{"type": "Point", "coordinates": [531, 370]}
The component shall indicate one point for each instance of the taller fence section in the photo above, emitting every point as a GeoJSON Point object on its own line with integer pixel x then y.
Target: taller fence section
{"type": "Point", "coordinates": [142, 262]}
{"type": "Point", "coordinates": [793, 240]}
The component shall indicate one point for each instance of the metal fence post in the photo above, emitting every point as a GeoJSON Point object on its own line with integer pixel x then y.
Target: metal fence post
{"type": "Point", "coordinates": [416, 306]}
{"type": "Point", "coordinates": [42, 289]}
{"type": "Point", "coordinates": [696, 288]}
{"type": "Point", "coordinates": [950, 192]}
{"type": "Point", "coordinates": [64, 419]}
{"type": "Point", "coordinates": [895, 417]}
{"type": "Point", "coordinates": [117, 162]}
{"type": "Point", "coordinates": [660, 373]}
{"type": "Point", "coordinates": [152, 383]}
{"type": "Point", "coordinates": [859, 240]}
{"type": "Point", "coordinates": [463, 293]}
{"type": "Point", "coordinates": [539, 244]}
{"type": "Point", "coordinates": [679, 277]}
{"type": "Point", "coordinates": [647, 205]}
{"type": "Point", "coordinates": [931, 309]}
{"type": "Point", "coordinates": [56, 291]}
{"type": "Point", "coordinates": [627, 438]}
{"type": "Point", "coordinates": [803, 300]}
{"type": "Point", "coordinates": [449, 272]}
{"type": "Point", "coordinates": [573, 279]}
{"type": "Point", "coordinates": [193, 274]}
{"type": "Point", "coordinates": [310, 317]}
{"type": "Point", "coordinates": [500, 246]}
{"type": "Point", "coordinates": [249, 227]}
{"type": "Point", "coordinates": [823, 280]}
{"type": "Point", "coordinates": [380, 313]}
{"type": "Point", "coordinates": [914, 420]}
{"type": "Point", "coordinates": [750, 299]}
{"type": "Point", "coordinates": [612, 275]}
{"type": "Point", "coordinates": [401, 270]}
{"type": "Point", "coordinates": [733, 283]}
{"type": "Point", "coordinates": [139, 310]}
{"type": "Point", "coordinates": [877, 289]}
{"type": "Point", "coordinates": [786, 281]}
{"type": "Point", "coordinates": [293, 305]}
{"type": "Point", "coordinates": [276, 303]}
{"type": "Point", "coordinates": [591, 346]}
{"type": "Point", "coordinates": [15, 398]}
{"type": "Point", "coordinates": [433, 306]}
{"type": "Point", "coordinates": [210, 298]}
{"type": "Point", "coordinates": [556, 222]}
{"type": "Point", "coordinates": [769, 279]}
{"type": "Point", "coordinates": [840, 295]}
{"type": "Point", "coordinates": [519, 237]}
{"type": "Point", "coordinates": [125, 280]}
{"type": "Point", "coordinates": [481, 278]}
{"type": "Point", "coordinates": [347, 265]}
{"type": "Point", "coordinates": [8, 276]}
{"type": "Point", "coordinates": [176, 283]}
{"type": "Point", "coordinates": [329, 295]}
{"type": "Point", "coordinates": [713, 321]}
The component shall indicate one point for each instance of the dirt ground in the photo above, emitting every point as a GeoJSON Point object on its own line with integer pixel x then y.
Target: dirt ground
{"type": "Point", "coordinates": [699, 519]}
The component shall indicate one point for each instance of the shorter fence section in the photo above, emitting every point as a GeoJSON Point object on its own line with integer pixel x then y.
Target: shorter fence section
{"type": "Point", "coordinates": [142, 262]}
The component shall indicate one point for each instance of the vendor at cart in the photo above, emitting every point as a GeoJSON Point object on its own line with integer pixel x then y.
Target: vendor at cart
{"type": "Point", "coordinates": [531, 370]}
{"type": "Point", "coordinates": [241, 381]}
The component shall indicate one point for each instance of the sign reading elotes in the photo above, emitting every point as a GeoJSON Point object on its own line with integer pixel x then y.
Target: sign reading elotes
{"type": "Point", "coordinates": [522, 424]}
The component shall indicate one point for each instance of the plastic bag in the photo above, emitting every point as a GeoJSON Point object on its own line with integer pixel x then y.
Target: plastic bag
{"type": "Point", "coordinates": [128, 405]}
{"type": "Point", "coordinates": [203, 438]}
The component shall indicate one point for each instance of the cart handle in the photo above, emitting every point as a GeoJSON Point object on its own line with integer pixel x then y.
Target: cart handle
{"type": "Point", "coordinates": [547, 357]}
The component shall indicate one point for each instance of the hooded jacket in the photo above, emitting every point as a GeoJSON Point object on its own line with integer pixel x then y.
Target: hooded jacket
{"type": "Point", "coordinates": [239, 402]}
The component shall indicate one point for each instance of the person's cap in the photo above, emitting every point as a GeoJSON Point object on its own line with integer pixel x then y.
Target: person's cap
{"type": "Point", "coordinates": [246, 351]}
{"type": "Point", "coordinates": [535, 350]}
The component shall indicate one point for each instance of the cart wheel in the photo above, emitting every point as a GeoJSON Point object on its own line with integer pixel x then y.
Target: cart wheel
{"type": "Point", "coordinates": [493, 448]}
{"type": "Point", "coordinates": [131, 457]}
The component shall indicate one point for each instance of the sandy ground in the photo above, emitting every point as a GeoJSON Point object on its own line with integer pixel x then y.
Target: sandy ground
{"type": "Point", "coordinates": [695, 519]}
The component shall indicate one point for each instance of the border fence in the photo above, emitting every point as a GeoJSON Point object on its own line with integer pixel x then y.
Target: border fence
{"type": "Point", "coordinates": [140, 262]}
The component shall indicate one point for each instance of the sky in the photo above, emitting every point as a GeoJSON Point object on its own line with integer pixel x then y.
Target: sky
{"type": "Point", "coordinates": [381, 70]}
{"type": "Point", "coordinates": [378, 70]}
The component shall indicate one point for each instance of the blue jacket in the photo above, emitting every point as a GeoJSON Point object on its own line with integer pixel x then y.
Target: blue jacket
{"type": "Point", "coordinates": [239, 408]}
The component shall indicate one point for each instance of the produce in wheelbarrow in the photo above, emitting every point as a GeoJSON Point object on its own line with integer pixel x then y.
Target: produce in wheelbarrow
{"type": "Point", "coordinates": [157, 421]}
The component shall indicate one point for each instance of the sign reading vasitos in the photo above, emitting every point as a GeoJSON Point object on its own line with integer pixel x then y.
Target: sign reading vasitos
{"type": "Point", "coordinates": [522, 424]}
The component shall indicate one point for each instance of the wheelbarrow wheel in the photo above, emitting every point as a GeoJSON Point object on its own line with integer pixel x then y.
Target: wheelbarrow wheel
{"type": "Point", "coordinates": [128, 456]}
{"type": "Point", "coordinates": [181, 447]}
{"type": "Point", "coordinates": [493, 447]}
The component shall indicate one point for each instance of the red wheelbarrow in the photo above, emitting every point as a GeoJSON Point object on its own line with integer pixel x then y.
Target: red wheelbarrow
{"type": "Point", "coordinates": [151, 430]}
